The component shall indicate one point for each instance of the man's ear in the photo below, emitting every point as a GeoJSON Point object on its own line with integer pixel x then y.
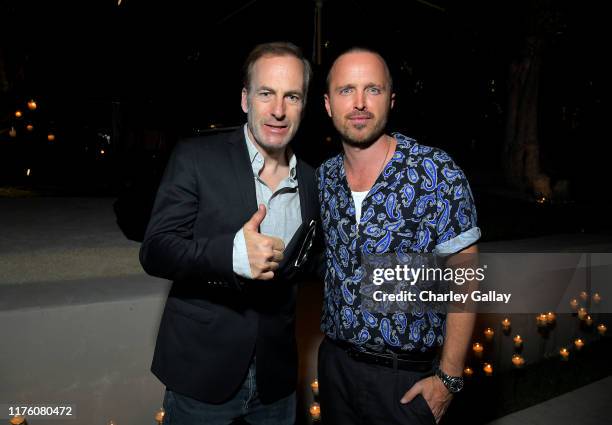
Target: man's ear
{"type": "Point", "coordinates": [327, 108]}
{"type": "Point", "coordinates": [245, 101]}
{"type": "Point", "coordinates": [392, 100]}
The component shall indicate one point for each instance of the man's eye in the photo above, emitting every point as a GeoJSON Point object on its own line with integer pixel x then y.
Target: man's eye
{"type": "Point", "coordinates": [346, 90]}
{"type": "Point", "coordinates": [264, 94]}
{"type": "Point", "coordinates": [293, 98]}
{"type": "Point", "coordinates": [374, 90]}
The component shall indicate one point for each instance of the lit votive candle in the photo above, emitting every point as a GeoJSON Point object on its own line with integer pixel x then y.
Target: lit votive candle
{"type": "Point", "coordinates": [506, 324]}
{"type": "Point", "coordinates": [315, 387]}
{"type": "Point", "coordinates": [477, 348]}
{"type": "Point", "coordinates": [159, 416]}
{"type": "Point", "coordinates": [578, 343]}
{"type": "Point", "coordinates": [468, 372]}
{"type": "Point", "coordinates": [584, 295]}
{"type": "Point", "coordinates": [551, 317]}
{"type": "Point", "coordinates": [489, 333]}
{"type": "Point", "coordinates": [596, 298]}
{"type": "Point", "coordinates": [518, 341]}
{"type": "Point", "coordinates": [488, 369]}
{"type": "Point", "coordinates": [542, 320]}
{"type": "Point", "coordinates": [601, 328]}
{"type": "Point", "coordinates": [518, 361]}
{"type": "Point", "coordinates": [588, 320]}
{"type": "Point", "coordinates": [582, 313]}
{"type": "Point", "coordinates": [315, 411]}
{"type": "Point", "coordinates": [574, 304]}
{"type": "Point", "coordinates": [17, 420]}
{"type": "Point", "coordinates": [564, 353]}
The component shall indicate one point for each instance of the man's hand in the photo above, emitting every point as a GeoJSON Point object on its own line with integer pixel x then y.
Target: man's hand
{"type": "Point", "coordinates": [435, 394]}
{"type": "Point", "coordinates": [265, 252]}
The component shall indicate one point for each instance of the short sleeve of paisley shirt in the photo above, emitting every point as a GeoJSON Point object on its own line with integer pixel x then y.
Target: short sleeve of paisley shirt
{"type": "Point", "coordinates": [456, 225]}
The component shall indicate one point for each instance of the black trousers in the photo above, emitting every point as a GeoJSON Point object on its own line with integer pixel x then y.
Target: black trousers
{"type": "Point", "coordinates": [356, 393]}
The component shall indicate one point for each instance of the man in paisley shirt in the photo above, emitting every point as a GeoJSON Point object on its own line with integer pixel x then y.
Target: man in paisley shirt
{"type": "Point", "coordinates": [386, 194]}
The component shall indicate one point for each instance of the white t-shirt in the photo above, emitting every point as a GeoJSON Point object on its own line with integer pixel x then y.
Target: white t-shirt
{"type": "Point", "coordinates": [358, 198]}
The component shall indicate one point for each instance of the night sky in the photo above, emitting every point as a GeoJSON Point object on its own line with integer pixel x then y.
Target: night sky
{"type": "Point", "coordinates": [185, 57]}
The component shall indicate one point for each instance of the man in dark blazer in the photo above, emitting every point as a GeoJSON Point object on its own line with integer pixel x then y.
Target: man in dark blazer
{"type": "Point", "coordinates": [231, 226]}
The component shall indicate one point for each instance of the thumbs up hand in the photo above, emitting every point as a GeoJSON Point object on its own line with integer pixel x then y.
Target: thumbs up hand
{"type": "Point", "coordinates": [265, 252]}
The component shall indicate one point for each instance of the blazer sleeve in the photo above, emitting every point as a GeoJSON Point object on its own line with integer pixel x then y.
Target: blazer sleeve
{"type": "Point", "coordinates": [169, 249]}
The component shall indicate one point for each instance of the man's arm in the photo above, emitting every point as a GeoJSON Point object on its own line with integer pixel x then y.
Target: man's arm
{"type": "Point", "coordinates": [459, 325]}
{"type": "Point", "coordinates": [459, 328]}
{"type": "Point", "coordinates": [169, 249]}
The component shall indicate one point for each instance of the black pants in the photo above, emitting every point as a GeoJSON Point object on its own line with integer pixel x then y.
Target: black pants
{"type": "Point", "coordinates": [356, 393]}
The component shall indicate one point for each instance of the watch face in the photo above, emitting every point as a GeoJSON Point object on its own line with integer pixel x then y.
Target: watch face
{"type": "Point", "coordinates": [456, 385]}
{"type": "Point", "coordinates": [453, 383]}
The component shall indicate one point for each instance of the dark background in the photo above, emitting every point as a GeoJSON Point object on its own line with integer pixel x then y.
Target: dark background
{"type": "Point", "coordinates": [118, 85]}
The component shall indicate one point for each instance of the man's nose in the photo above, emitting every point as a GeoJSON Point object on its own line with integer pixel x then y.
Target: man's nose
{"type": "Point", "coordinates": [360, 103]}
{"type": "Point", "coordinates": [278, 111]}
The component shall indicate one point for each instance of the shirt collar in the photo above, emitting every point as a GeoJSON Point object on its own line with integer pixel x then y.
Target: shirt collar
{"type": "Point", "coordinates": [257, 161]}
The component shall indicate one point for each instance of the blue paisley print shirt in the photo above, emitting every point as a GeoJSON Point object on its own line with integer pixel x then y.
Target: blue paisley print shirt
{"type": "Point", "coordinates": [421, 203]}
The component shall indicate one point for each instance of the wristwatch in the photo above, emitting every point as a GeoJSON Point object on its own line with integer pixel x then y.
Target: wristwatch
{"type": "Point", "coordinates": [454, 384]}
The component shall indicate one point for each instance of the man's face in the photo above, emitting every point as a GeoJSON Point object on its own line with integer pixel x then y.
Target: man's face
{"type": "Point", "coordinates": [274, 101]}
{"type": "Point", "coordinates": [359, 97]}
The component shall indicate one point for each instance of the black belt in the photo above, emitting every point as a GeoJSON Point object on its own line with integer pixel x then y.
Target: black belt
{"type": "Point", "coordinates": [415, 362]}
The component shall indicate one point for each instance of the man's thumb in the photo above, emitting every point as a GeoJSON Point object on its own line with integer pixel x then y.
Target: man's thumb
{"type": "Point", "coordinates": [410, 394]}
{"type": "Point", "coordinates": [256, 219]}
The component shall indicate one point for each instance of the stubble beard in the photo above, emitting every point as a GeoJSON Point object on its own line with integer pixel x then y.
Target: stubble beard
{"type": "Point", "coordinates": [347, 130]}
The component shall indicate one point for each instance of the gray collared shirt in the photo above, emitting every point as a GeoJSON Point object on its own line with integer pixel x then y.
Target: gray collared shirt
{"type": "Point", "coordinates": [283, 214]}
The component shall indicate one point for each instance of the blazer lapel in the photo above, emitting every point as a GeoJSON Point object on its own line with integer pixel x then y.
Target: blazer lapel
{"type": "Point", "coordinates": [244, 173]}
{"type": "Point", "coordinates": [305, 191]}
